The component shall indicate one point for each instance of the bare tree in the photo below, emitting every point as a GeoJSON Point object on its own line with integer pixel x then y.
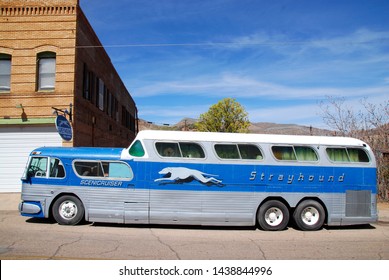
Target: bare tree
{"type": "Point", "coordinates": [370, 124]}
{"type": "Point", "coordinates": [337, 115]}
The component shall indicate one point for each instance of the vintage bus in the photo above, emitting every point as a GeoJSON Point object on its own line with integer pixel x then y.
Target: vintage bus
{"type": "Point", "coordinates": [202, 178]}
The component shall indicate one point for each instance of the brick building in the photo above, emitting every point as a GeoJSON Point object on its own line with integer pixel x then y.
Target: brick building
{"type": "Point", "coordinates": [50, 57]}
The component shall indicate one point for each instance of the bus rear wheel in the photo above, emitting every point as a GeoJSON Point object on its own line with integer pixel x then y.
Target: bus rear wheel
{"type": "Point", "coordinates": [273, 215]}
{"type": "Point", "coordinates": [309, 215]}
{"type": "Point", "coordinates": [68, 210]}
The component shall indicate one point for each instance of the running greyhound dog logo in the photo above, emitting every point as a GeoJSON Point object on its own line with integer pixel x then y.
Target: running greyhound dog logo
{"type": "Point", "coordinates": [182, 175]}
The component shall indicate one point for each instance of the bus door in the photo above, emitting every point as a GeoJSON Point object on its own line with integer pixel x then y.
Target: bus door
{"type": "Point", "coordinates": [136, 205]}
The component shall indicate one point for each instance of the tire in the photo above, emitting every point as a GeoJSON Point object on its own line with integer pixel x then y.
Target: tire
{"type": "Point", "coordinates": [309, 215]}
{"type": "Point", "coordinates": [273, 215]}
{"type": "Point", "coordinates": [68, 210]}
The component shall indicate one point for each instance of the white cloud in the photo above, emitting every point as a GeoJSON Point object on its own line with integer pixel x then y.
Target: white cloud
{"type": "Point", "coordinates": [361, 39]}
{"type": "Point", "coordinates": [230, 85]}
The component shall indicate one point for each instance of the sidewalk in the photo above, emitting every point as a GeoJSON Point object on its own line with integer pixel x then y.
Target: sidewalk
{"type": "Point", "coordinates": [10, 201]}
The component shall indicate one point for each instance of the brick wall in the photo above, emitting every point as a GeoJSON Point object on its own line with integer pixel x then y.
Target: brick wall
{"type": "Point", "coordinates": [26, 29]}
{"type": "Point", "coordinates": [30, 27]}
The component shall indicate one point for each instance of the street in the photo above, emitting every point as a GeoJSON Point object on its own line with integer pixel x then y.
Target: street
{"type": "Point", "coordinates": [24, 238]}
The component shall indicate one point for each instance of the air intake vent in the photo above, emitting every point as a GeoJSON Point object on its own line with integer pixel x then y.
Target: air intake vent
{"type": "Point", "coordinates": [358, 203]}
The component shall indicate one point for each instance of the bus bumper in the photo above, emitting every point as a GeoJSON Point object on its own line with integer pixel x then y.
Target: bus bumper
{"type": "Point", "coordinates": [31, 209]}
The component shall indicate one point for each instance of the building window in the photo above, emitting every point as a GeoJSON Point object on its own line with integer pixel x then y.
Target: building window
{"type": "Point", "coordinates": [101, 95]}
{"type": "Point", "coordinates": [5, 72]}
{"type": "Point", "coordinates": [46, 71]}
{"type": "Point", "coordinates": [86, 93]}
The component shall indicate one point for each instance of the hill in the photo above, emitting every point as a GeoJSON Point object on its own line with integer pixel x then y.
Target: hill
{"type": "Point", "coordinates": [260, 128]}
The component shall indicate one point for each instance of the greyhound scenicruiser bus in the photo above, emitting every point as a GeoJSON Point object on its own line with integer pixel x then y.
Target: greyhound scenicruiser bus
{"type": "Point", "coordinates": [202, 178]}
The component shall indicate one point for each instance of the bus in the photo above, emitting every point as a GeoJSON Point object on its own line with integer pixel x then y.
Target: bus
{"type": "Point", "coordinates": [206, 179]}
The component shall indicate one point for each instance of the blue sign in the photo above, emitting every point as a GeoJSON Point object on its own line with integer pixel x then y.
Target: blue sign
{"type": "Point", "coordinates": [64, 128]}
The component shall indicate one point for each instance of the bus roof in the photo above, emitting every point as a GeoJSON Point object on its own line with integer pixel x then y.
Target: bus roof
{"type": "Point", "coordinates": [82, 152]}
{"type": "Point", "coordinates": [247, 138]}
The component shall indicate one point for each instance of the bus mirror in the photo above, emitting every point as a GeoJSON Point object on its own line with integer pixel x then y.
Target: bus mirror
{"type": "Point", "coordinates": [25, 177]}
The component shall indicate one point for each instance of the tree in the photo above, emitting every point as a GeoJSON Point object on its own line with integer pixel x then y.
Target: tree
{"type": "Point", "coordinates": [370, 124]}
{"type": "Point", "coordinates": [225, 116]}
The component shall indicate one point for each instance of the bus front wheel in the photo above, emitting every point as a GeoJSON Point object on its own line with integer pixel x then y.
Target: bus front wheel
{"type": "Point", "coordinates": [68, 210]}
{"type": "Point", "coordinates": [273, 215]}
{"type": "Point", "coordinates": [309, 215]}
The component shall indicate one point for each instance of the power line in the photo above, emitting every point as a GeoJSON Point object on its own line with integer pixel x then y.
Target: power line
{"type": "Point", "coordinates": [218, 44]}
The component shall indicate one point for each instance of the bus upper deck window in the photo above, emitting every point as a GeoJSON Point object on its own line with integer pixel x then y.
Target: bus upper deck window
{"type": "Point", "coordinates": [347, 155]}
{"type": "Point", "coordinates": [304, 153]}
{"type": "Point", "coordinates": [250, 152]}
{"type": "Point", "coordinates": [191, 150]}
{"type": "Point", "coordinates": [227, 151]}
{"type": "Point", "coordinates": [337, 154]}
{"type": "Point", "coordinates": [238, 151]}
{"type": "Point", "coordinates": [283, 152]}
{"type": "Point", "coordinates": [136, 149]}
{"type": "Point", "coordinates": [357, 155]}
{"type": "Point", "coordinates": [167, 149]}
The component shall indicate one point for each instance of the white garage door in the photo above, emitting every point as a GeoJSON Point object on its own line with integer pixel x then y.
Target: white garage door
{"type": "Point", "coordinates": [16, 143]}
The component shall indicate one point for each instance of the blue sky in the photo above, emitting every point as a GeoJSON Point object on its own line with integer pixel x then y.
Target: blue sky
{"type": "Point", "coordinates": [277, 58]}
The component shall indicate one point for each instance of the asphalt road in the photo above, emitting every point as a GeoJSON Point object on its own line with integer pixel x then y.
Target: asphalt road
{"type": "Point", "coordinates": [27, 239]}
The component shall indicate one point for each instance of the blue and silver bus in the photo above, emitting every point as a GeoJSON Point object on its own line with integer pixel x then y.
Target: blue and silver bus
{"type": "Point", "coordinates": [202, 178]}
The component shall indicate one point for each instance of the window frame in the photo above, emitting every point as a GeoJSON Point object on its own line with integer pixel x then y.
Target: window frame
{"type": "Point", "coordinates": [48, 170]}
{"type": "Point", "coordinates": [237, 145]}
{"type": "Point", "coordinates": [349, 161]}
{"type": "Point", "coordinates": [101, 165]}
{"type": "Point", "coordinates": [48, 57]}
{"type": "Point", "coordinates": [179, 150]}
{"type": "Point", "coordinates": [7, 74]}
{"type": "Point", "coordinates": [137, 147]}
{"type": "Point", "coordinates": [296, 157]}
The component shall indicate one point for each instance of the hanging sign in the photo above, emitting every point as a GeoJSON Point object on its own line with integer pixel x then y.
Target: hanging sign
{"type": "Point", "coordinates": [64, 128]}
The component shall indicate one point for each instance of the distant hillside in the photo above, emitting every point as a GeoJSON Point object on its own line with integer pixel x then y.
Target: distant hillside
{"type": "Point", "coordinates": [286, 129]}
{"type": "Point", "coordinates": [260, 127]}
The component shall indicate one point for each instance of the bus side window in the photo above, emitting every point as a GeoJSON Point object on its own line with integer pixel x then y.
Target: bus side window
{"type": "Point", "coordinates": [168, 149]}
{"type": "Point", "coordinates": [117, 170]}
{"type": "Point", "coordinates": [283, 152]}
{"type": "Point", "coordinates": [337, 154]}
{"type": "Point", "coordinates": [305, 153]}
{"type": "Point", "coordinates": [250, 152]}
{"type": "Point", "coordinates": [38, 167]}
{"type": "Point", "coordinates": [191, 150]}
{"type": "Point", "coordinates": [227, 151]}
{"type": "Point", "coordinates": [357, 155]}
{"type": "Point", "coordinates": [89, 168]}
{"type": "Point", "coordinates": [56, 168]}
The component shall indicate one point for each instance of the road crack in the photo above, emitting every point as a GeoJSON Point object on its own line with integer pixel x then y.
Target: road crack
{"type": "Point", "coordinates": [164, 243]}
{"type": "Point", "coordinates": [63, 245]}
{"type": "Point", "coordinates": [259, 248]}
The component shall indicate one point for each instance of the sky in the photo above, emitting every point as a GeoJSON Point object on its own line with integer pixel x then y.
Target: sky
{"type": "Point", "coordinates": [278, 58]}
